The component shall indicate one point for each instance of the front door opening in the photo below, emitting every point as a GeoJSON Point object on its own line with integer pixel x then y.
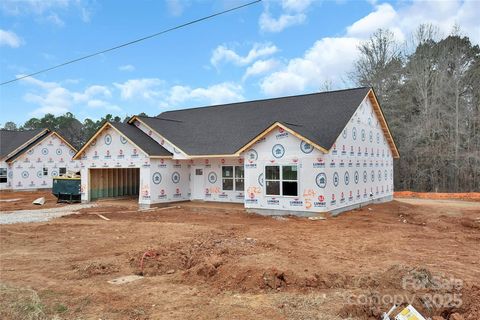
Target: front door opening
{"type": "Point", "coordinates": [198, 183]}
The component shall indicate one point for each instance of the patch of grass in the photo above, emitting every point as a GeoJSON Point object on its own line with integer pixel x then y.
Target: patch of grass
{"type": "Point", "coordinates": [85, 301]}
{"type": "Point", "coordinates": [20, 303]}
{"type": "Point", "coordinates": [305, 306]}
{"type": "Point", "coordinates": [60, 308]}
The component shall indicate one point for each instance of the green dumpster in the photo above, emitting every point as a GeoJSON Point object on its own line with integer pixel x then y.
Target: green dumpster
{"type": "Point", "coordinates": [66, 189]}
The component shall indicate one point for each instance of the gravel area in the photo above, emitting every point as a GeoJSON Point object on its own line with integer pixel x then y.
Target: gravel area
{"type": "Point", "coordinates": [41, 215]}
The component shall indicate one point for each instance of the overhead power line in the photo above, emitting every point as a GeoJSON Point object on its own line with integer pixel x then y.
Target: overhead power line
{"type": "Point", "coordinates": [131, 42]}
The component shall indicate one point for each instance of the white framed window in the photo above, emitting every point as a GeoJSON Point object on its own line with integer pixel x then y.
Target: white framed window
{"type": "Point", "coordinates": [62, 171]}
{"type": "Point", "coordinates": [3, 175]}
{"type": "Point", "coordinates": [239, 178]}
{"type": "Point", "coordinates": [233, 178]}
{"type": "Point", "coordinates": [281, 180]}
{"type": "Point", "coordinates": [45, 171]}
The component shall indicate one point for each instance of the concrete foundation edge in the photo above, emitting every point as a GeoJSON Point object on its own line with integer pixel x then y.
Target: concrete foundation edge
{"type": "Point", "coordinates": [336, 212]}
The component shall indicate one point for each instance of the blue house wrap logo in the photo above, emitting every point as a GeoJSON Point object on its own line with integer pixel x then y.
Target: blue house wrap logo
{"type": "Point", "coordinates": [157, 178]}
{"type": "Point", "coordinates": [260, 179]}
{"type": "Point", "coordinates": [252, 155]}
{"type": "Point", "coordinates": [278, 151]}
{"type": "Point", "coordinates": [306, 147]}
{"type": "Point", "coordinates": [336, 180]}
{"type": "Point", "coordinates": [212, 177]}
{"type": "Point", "coordinates": [107, 139]}
{"type": "Point", "coordinates": [321, 180]}
{"type": "Point", "coordinates": [175, 177]}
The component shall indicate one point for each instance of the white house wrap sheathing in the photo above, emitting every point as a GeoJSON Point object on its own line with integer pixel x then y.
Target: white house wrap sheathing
{"type": "Point", "coordinates": [356, 170]}
{"type": "Point", "coordinates": [111, 150]}
{"type": "Point", "coordinates": [36, 167]}
{"type": "Point", "coordinates": [359, 167]}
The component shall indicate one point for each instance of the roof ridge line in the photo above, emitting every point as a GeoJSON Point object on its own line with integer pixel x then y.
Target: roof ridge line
{"type": "Point", "coordinates": [265, 99]}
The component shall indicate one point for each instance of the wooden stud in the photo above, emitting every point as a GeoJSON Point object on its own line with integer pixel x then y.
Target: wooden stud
{"type": "Point", "coordinates": [125, 181]}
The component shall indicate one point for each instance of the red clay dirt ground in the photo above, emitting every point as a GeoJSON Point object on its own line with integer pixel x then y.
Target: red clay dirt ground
{"type": "Point", "coordinates": [22, 200]}
{"type": "Point", "coordinates": [215, 261]}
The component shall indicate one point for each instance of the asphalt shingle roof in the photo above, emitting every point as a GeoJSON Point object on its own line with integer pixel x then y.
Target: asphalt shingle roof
{"type": "Point", "coordinates": [224, 129]}
{"type": "Point", "coordinates": [13, 139]}
{"type": "Point", "coordinates": [142, 140]}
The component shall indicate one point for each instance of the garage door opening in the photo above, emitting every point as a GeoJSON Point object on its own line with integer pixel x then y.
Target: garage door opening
{"type": "Point", "coordinates": [110, 183]}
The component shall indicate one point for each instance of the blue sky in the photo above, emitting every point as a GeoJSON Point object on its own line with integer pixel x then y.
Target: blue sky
{"type": "Point", "coordinates": [270, 49]}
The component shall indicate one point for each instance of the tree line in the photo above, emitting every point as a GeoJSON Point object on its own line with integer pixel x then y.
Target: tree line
{"type": "Point", "coordinates": [69, 127]}
{"type": "Point", "coordinates": [429, 90]}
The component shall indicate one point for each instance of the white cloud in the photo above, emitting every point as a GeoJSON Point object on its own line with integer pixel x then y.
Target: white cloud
{"type": "Point", "coordinates": [216, 94]}
{"type": "Point", "coordinates": [37, 7]}
{"type": "Point", "coordinates": [52, 97]}
{"type": "Point", "coordinates": [293, 13]}
{"type": "Point", "coordinates": [331, 58]}
{"type": "Point", "coordinates": [146, 88]}
{"type": "Point", "coordinates": [157, 91]}
{"type": "Point", "coordinates": [402, 21]}
{"type": "Point", "coordinates": [223, 53]}
{"type": "Point", "coordinates": [176, 7]}
{"type": "Point", "coordinates": [10, 39]}
{"type": "Point", "coordinates": [85, 14]}
{"type": "Point", "coordinates": [103, 105]}
{"type": "Point", "coordinates": [56, 100]}
{"type": "Point", "coordinates": [328, 58]}
{"type": "Point", "coordinates": [39, 83]}
{"type": "Point", "coordinates": [270, 24]}
{"type": "Point", "coordinates": [55, 19]}
{"type": "Point", "coordinates": [382, 17]}
{"type": "Point", "coordinates": [91, 92]}
{"type": "Point", "coordinates": [296, 5]}
{"type": "Point", "coordinates": [260, 67]}
{"type": "Point", "coordinates": [55, 110]}
{"type": "Point", "coordinates": [126, 67]}
{"type": "Point", "coordinates": [47, 10]}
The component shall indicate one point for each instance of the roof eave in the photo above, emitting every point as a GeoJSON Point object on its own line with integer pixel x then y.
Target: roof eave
{"type": "Point", "coordinates": [84, 147]}
{"type": "Point", "coordinates": [132, 120]}
{"type": "Point", "coordinates": [286, 128]}
{"type": "Point", "coordinates": [24, 145]}
{"type": "Point", "coordinates": [386, 129]}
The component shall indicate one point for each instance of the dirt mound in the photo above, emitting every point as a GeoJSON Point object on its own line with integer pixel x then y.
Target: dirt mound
{"type": "Point", "coordinates": [202, 255]}
{"type": "Point", "coordinates": [213, 259]}
{"type": "Point", "coordinates": [361, 311]}
{"type": "Point", "coordinates": [470, 223]}
{"type": "Point", "coordinates": [433, 295]}
{"type": "Point", "coordinates": [94, 269]}
{"type": "Point", "coordinates": [470, 304]}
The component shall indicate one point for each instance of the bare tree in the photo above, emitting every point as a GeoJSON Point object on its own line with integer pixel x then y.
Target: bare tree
{"type": "Point", "coordinates": [430, 94]}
